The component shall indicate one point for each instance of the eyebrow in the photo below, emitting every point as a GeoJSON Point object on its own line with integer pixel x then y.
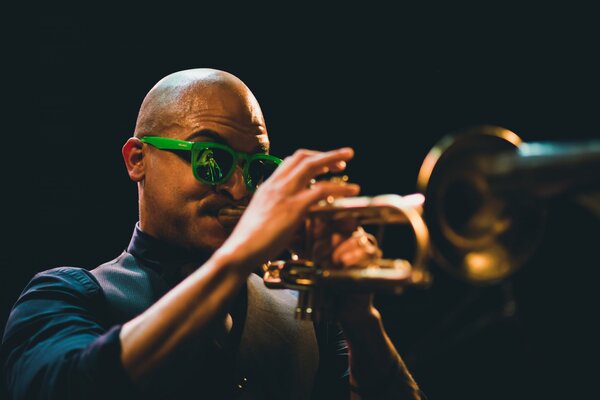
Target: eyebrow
{"type": "Point", "coordinates": [206, 133]}
{"type": "Point", "coordinates": [215, 137]}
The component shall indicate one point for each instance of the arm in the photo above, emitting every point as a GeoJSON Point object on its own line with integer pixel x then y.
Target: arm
{"type": "Point", "coordinates": [376, 369]}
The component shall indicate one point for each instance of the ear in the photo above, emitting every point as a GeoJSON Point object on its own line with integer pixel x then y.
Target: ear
{"type": "Point", "coordinates": [134, 159]}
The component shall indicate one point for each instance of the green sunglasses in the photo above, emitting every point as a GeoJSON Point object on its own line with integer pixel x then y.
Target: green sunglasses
{"type": "Point", "coordinates": [213, 163]}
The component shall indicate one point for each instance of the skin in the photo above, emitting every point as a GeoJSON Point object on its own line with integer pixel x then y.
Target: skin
{"type": "Point", "coordinates": [177, 208]}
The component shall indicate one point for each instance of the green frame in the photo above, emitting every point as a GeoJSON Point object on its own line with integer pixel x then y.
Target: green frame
{"type": "Point", "coordinates": [164, 143]}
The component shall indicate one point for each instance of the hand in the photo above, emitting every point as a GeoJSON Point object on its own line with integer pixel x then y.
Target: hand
{"type": "Point", "coordinates": [280, 204]}
{"type": "Point", "coordinates": [347, 246]}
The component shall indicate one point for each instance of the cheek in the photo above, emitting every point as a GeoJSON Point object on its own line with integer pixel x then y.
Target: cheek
{"type": "Point", "coordinates": [171, 190]}
{"type": "Point", "coordinates": [164, 189]}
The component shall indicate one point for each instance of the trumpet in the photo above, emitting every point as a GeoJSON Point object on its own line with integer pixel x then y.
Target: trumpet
{"type": "Point", "coordinates": [478, 212]}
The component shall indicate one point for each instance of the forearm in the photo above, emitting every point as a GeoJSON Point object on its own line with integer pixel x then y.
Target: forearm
{"type": "Point", "coordinates": [156, 337]}
{"type": "Point", "coordinates": [376, 368]}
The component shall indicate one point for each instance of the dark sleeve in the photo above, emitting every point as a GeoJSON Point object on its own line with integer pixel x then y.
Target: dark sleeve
{"type": "Point", "coordinates": [333, 375]}
{"type": "Point", "coordinates": [54, 345]}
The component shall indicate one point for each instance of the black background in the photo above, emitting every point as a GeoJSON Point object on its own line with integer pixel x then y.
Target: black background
{"type": "Point", "coordinates": [388, 82]}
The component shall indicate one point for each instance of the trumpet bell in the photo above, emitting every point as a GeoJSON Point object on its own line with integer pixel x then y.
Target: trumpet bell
{"type": "Point", "coordinates": [485, 191]}
{"type": "Point", "coordinates": [475, 234]}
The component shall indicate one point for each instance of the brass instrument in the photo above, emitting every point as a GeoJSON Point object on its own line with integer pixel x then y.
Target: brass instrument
{"type": "Point", "coordinates": [479, 213]}
{"type": "Point", "coordinates": [486, 197]}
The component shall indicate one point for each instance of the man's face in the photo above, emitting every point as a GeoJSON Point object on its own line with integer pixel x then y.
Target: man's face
{"type": "Point", "coordinates": [178, 208]}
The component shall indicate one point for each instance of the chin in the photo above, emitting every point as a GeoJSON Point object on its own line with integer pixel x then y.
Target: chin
{"type": "Point", "coordinates": [208, 236]}
{"type": "Point", "coordinates": [210, 244]}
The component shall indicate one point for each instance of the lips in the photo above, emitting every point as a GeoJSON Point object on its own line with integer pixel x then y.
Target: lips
{"type": "Point", "coordinates": [229, 216]}
{"type": "Point", "coordinates": [231, 211]}
{"type": "Point", "coordinates": [215, 205]}
{"type": "Point", "coordinates": [225, 211]}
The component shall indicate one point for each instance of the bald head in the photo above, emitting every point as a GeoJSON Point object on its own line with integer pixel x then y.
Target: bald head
{"type": "Point", "coordinates": [184, 100]}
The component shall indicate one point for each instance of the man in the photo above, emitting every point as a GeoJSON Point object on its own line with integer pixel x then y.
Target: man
{"type": "Point", "coordinates": [180, 314]}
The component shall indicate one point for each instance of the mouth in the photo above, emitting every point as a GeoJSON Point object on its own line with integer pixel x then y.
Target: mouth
{"type": "Point", "coordinates": [231, 211]}
{"type": "Point", "coordinates": [230, 215]}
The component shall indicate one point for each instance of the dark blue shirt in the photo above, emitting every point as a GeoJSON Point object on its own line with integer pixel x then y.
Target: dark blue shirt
{"type": "Point", "coordinates": [61, 342]}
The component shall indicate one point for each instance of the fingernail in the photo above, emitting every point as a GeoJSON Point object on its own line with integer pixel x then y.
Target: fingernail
{"type": "Point", "coordinates": [354, 187]}
{"type": "Point", "coordinates": [348, 150]}
{"type": "Point", "coordinates": [340, 164]}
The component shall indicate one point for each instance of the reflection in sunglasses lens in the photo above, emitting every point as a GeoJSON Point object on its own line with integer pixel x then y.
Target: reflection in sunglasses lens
{"type": "Point", "coordinates": [213, 164]}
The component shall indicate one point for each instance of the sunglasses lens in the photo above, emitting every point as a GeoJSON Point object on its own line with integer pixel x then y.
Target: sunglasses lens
{"type": "Point", "coordinates": [259, 170]}
{"type": "Point", "coordinates": [213, 164]}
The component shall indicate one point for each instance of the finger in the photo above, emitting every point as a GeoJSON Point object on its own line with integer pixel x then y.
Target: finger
{"type": "Point", "coordinates": [354, 249]}
{"type": "Point", "coordinates": [347, 246]}
{"type": "Point", "coordinates": [337, 239]}
{"type": "Point", "coordinates": [356, 257]}
{"type": "Point", "coordinates": [338, 166]}
{"type": "Point", "coordinates": [323, 189]}
{"type": "Point", "coordinates": [290, 162]}
{"type": "Point", "coordinates": [318, 164]}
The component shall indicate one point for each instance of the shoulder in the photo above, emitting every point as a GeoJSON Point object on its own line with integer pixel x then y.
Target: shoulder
{"type": "Point", "coordinates": [57, 289]}
{"type": "Point", "coordinates": [53, 297]}
{"type": "Point", "coordinates": [60, 283]}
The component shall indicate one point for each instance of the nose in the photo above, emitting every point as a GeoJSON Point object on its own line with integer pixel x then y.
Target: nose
{"type": "Point", "coordinates": [235, 186]}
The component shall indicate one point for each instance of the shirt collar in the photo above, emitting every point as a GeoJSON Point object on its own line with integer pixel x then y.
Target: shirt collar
{"type": "Point", "coordinates": [167, 259]}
